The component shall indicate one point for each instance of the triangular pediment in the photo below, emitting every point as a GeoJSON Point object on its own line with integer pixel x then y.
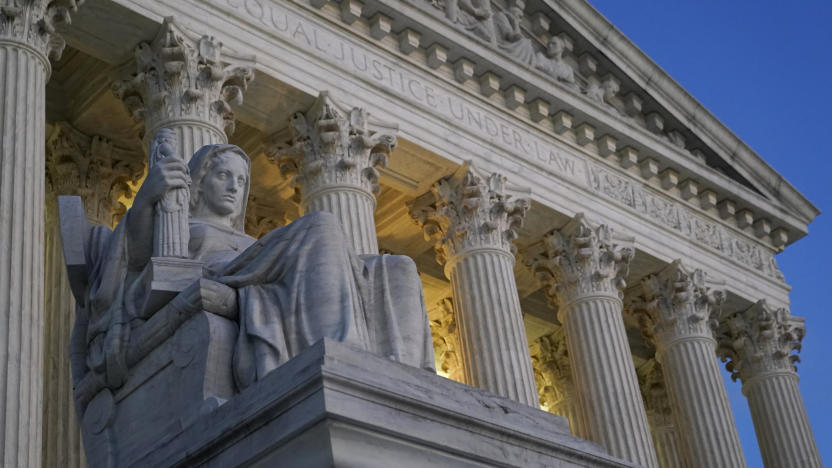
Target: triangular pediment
{"type": "Point", "coordinates": [563, 61]}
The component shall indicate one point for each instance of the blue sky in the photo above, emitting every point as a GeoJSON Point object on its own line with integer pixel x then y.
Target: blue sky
{"type": "Point", "coordinates": [765, 69]}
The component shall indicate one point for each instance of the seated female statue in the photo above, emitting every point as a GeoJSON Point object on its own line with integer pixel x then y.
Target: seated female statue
{"type": "Point", "coordinates": [287, 290]}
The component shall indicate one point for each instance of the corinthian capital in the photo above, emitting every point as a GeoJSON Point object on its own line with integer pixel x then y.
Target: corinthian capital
{"type": "Point", "coordinates": [471, 210]}
{"type": "Point", "coordinates": [90, 167]}
{"type": "Point", "coordinates": [33, 23]}
{"type": "Point", "coordinates": [678, 302]}
{"type": "Point", "coordinates": [332, 146]}
{"type": "Point", "coordinates": [184, 76]}
{"type": "Point", "coordinates": [758, 340]}
{"type": "Point", "coordinates": [583, 259]}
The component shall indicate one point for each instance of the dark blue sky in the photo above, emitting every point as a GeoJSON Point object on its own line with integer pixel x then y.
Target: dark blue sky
{"type": "Point", "coordinates": [764, 68]}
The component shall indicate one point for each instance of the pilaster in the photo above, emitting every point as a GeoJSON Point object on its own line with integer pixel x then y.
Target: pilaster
{"type": "Point", "coordinates": [472, 218]}
{"type": "Point", "coordinates": [89, 167]}
{"type": "Point", "coordinates": [187, 83]}
{"type": "Point", "coordinates": [759, 345]}
{"type": "Point", "coordinates": [677, 310]}
{"type": "Point", "coordinates": [333, 158]}
{"type": "Point", "coordinates": [28, 39]}
{"type": "Point", "coordinates": [583, 269]}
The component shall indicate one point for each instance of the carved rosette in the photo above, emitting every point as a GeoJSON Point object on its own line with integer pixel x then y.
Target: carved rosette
{"type": "Point", "coordinates": [90, 167]}
{"type": "Point", "coordinates": [333, 147]}
{"type": "Point", "coordinates": [760, 340]}
{"type": "Point", "coordinates": [470, 210]}
{"type": "Point", "coordinates": [583, 260]}
{"type": "Point", "coordinates": [33, 23]}
{"type": "Point", "coordinates": [444, 332]}
{"type": "Point", "coordinates": [183, 77]}
{"type": "Point", "coordinates": [678, 303]}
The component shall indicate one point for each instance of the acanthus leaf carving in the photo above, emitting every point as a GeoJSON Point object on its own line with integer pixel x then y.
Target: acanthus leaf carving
{"type": "Point", "coordinates": [93, 169]}
{"type": "Point", "coordinates": [552, 371]}
{"type": "Point", "coordinates": [583, 259]}
{"type": "Point", "coordinates": [471, 210]}
{"type": "Point", "coordinates": [334, 146]}
{"type": "Point", "coordinates": [678, 303]}
{"type": "Point", "coordinates": [759, 340]}
{"type": "Point", "coordinates": [34, 22]}
{"type": "Point", "coordinates": [180, 75]}
{"type": "Point", "coordinates": [446, 347]}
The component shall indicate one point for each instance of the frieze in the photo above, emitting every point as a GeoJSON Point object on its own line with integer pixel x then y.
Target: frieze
{"type": "Point", "coordinates": [681, 219]}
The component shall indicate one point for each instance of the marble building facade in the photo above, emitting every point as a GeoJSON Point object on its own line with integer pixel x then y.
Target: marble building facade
{"type": "Point", "coordinates": [591, 240]}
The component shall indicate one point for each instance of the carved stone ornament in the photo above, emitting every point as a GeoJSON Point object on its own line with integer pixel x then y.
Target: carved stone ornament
{"type": "Point", "coordinates": [183, 76]}
{"type": "Point", "coordinates": [654, 392]}
{"type": "Point", "coordinates": [334, 146]}
{"type": "Point", "coordinates": [93, 169]}
{"type": "Point", "coordinates": [444, 332]}
{"type": "Point", "coordinates": [552, 370]}
{"type": "Point", "coordinates": [33, 23]}
{"type": "Point", "coordinates": [470, 210]}
{"type": "Point", "coordinates": [678, 303]}
{"type": "Point", "coordinates": [583, 259]}
{"type": "Point", "coordinates": [759, 340]}
{"type": "Point", "coordinates": [473, 16]}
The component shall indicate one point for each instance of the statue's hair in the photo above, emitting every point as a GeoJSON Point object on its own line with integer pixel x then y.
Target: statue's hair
{"type": "Point", "coordinates": [200, 166]}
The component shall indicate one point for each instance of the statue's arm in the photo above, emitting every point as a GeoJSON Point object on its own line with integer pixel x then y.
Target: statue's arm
{"type": "Point", "coordinates": [167, 174]}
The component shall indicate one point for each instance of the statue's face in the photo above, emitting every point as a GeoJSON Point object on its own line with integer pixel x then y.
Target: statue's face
{"type": "Point", "coordinates": [224, 187]}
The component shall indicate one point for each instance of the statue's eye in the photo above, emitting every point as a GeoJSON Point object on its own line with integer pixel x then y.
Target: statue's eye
{"type": "Point", "coordinates": [222, 175]}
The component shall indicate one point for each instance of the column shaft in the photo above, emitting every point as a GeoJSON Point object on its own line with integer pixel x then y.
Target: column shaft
{"type": "Point", "coordinates": [780, 421]}
{"type": "Point", "coordinates": [22, 127]}
{"type": "Point", "coordinates": [492, 336]}
{"type": "Point", "coordinates": [568, 408]}
{"type": "Point", "coordinates": [354, 208]}
{"type": "Point", "coordinates": [666, 441]}
{"type": "Point", "coordinates": [612, 412]}
{"type": "Point", "coordinates": [701, 411]}
{"type": "Point", "coordinates": [62, 444]}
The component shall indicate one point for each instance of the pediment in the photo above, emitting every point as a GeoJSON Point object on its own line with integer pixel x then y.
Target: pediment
{"type": "Point", "coordinates": [568, 65]}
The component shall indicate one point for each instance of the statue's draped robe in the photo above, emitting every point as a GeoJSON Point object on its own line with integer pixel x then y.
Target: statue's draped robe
{"type": "Point", "coordinates": [295, 285]}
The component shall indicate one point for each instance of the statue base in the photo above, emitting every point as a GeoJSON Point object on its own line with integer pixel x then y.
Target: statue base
{"type": "Point", "coordinates": [167, 277]}
{"type": "Point", "coordinates": [333, 405]}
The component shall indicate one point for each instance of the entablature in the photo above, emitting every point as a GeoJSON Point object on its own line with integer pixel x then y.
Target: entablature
{"type": "Point", "coordinates": [311, 49]}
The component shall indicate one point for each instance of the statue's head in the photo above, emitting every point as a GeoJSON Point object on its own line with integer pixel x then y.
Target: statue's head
{"type": "Point", "coordinates": [555, 47]}
{"type": "Point", "coordinates": [220, 176]}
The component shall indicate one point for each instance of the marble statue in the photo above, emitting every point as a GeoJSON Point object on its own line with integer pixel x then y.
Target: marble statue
{"type": "Point", "coordinates": [551, 62]}
{"type": "Point", "coordinates": [472, 15]}
{"type": "Point", "coordinates": [510, 38]}
{"type": "Point", "coordinates": [291, 288]}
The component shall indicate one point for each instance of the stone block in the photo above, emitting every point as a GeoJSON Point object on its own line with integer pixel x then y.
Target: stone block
{"type": "Point", "coordinates": [437, 55]}
{"type": "Point", "coordinates": [351, 10]}
{"type": "Point", "coordinates": [463, 70]}
{"type": "Point", "coordinates": [334, 405]}
{"type": "Point", "coordinates": [489, 83]}
{"type": "Point", "coordinates": [538, 109]}
{"type": "Point", "coordinates": [514, 96]}
{"type": "Point", "coordinates": [627, 157]}
{"type": "Point", "coordinates": [562, 121]}
{"type": "Point", "coordinates": [707, 199]}
{"type": "Point", "coordinates": [727, 209]}
{"type": "Point", "coordinates": [745, 218]}
{"type": "Point", "coordinates": [688, 189]}
{"type": "Point", "coordinates": [380, 26]}
{"type": "Point", "coordinates": [606, 145]}
{"type": "Point", "coordinates": [584, 134]}
{"type": "Point", "coordinates": [409, 40]}
{"type": "Point", "coordinates": [669, 178]}
{"type": "Point", "coordinates": [649, 168]}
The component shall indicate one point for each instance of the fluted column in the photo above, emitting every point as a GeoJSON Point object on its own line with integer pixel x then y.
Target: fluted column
{"type": "Point", "coordinates": [332, 157]}
{"type": "Point", "coordinates": [27, 42]}
{"type": "Point", "coordinates": [659, 414]}
{"type": "Point", "coordinates": [91, 168]}
{"type": "Point", "coordinates": [553, 374]}
{"type": "Point", "coordinates": [677, 313]}
{"type": "Point", "coordinates": [185, 82]}
{"type": "Point", "coordinates": [583, 268]}
{"type": "Point", "coordinates": [472, 218]}
{"type": "Point", "coordinates": [758, 344]}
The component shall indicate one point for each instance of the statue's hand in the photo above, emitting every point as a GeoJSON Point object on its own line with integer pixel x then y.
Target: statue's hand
{"type": "Point", "coordinates": [168, 173]}
{"type": "Point", "coordinates": [211, 296]}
